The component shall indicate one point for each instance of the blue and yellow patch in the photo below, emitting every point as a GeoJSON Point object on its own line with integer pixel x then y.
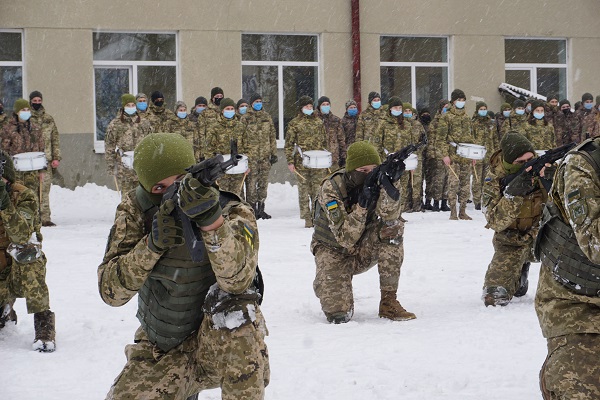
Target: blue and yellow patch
{"type": "Point", "coordinates": [249, 235]}
{"type": "Point", "coordinates": [332, 205]}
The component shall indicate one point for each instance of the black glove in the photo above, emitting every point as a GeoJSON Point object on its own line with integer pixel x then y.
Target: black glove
{"type": "Point", "coordinates": [166, 232]}
{"type": "Point", "coordinates": [367, 196]}
{"type": "Point", "coordinates": [273, 159]}
{"type": "Point", "coordinates": [549, 172]}
{"type": "Point", "coordinates": [4, 198]}
{"type": "Point", "coordinates": [200, 203]}
{"type": "Point", "coordinates": [522, 185]}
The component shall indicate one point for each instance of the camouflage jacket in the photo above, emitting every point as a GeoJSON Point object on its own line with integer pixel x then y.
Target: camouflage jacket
{"type": "Point", "coordinates": [515, 213]}
{"type": "Point", "coordinates": [432, 137]}
{"type": "Point", "coordinates": [307, 132]}
{"type": "Point", "coordinates": [124, 133]}
{"type": "Point", "coordinates": [581, 115]}
{"type": "Point", "coordinates": [335, 135]}
{"type": "Point", "coordinates": [22, 137]}
{"type": "Point", "coordinates": [160, 118]}
{"type": "Point", "coordinates": [186, 128]}
{"type": "Point", "coordinates": [50, 132]}
{"type": "Point", "coordinates": [485, 134]}
{"type": "Point", "coordinates": [453, 127]}
{"type": "Point", "coordinates": [232, 250]}
{"type": "Point", "coordinates": [567, 129]}
{"type": "Point", "coordinates": [515, 122]}
{"type": "Point", "coordinates": [541, 135]}
{"type": "Point", "coordinates": [392, 134]}
{"type": "Point", "coordinates": [591, 124]}
{"type": "Point", "coordinates": [349, 124]}
{"type": "Point", "coordinates": [3, 121]}
{"type": "Point", "coordinates": [21, 218]}
{"type": "Point", "coordinates": [219, 132]}
{"type": "Point", "coordinates": [259, 135]}
{"type": "Point", "coordinates": [368, 122]}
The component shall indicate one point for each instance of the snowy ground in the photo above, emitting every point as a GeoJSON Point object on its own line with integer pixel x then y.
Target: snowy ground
{"type": "Point", "coordinates": [455, 349]}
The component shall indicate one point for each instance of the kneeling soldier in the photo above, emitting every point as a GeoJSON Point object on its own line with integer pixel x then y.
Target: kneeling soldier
{"type": "Point", "coordinates": [201, 326]}
{"type": "Point", "coordinates": [353, 232]}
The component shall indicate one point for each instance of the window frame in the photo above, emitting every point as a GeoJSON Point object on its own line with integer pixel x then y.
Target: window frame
{"type": "Point", "coordinates": [17, 63]}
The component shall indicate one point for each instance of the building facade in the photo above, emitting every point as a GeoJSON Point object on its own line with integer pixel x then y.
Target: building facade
{"type": "Point", "coordinates": [82, 55]}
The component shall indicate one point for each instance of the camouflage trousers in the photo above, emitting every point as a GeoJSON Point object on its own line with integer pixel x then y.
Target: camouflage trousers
{"type": "Point", "coordinates": [480, 171]}
{"type": "Point", "coordinates": [436, 179]}
{"type": "Point", "coordinates": [257, 181]}
{"type": "Point", "coordinates": [127, 179]}
{"type": "Point", "coordinates": [308, 189]}
{"type": "Point", "coordinates": [45, 200]}
{"type": "Point", "coordinates": [26, 281]}
{"type": "Point", "coordinates": [459, 185]}
{"type": "Point", "coordinates": [412, 185]}
{"type": "Point", "coordinates": [232, 183]}
{"type": "Point", "coordinates": [31, 180]}
{"type": "Point", "coordinates": [237, 362]}
{"type": "Point", "coordinates": [335, 269]}
{"type": "Point", "coordinates": [511, 250]}
{"type": "Point", "coordinates": [571, 369]}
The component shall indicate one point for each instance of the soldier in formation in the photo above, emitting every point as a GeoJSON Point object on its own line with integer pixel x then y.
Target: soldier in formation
{"type": "Point", "coordinates": [159, 116]}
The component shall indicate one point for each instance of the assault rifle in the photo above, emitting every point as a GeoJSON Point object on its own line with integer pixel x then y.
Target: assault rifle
{"type": "Point", "coordinates": [538, 163]}
{"type": "Point", "coordinates": [389, 171]}
{"type": "Point", "coordinates": [207, 172]}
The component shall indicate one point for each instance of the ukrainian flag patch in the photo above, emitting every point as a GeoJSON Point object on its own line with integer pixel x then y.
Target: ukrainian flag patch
{"type": "Point", "coordinates": [332, 205]}
{"type": "Point", "coordinates": [249, 235]}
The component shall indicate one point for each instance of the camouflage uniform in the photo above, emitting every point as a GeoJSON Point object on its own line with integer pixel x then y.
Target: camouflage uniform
{"type": "Point", "coordinates": [349, 240]}
{"type": "Point", "coordinates": [514, 123]}
{"type": "Point", "coordinates": [570, 321]}
{"type": "Point", "coordinates": [219, 132]}
{"type": "Point", "coordinates": [3, 121]}
{"type": "Point", "coordinates": [186, 128]}
{"type": "Point", "coordinates": [567, 129]}
{"type": "Point", "coordinates": [368, 123]}
{"type": "Point", "coordinates": [483, 129]}
{"type": "Point", "coordinates": [308, 133]}
{"type": "Point", "coordinates": [52, 150]}
{"type": "Point", "coordinates": [19, 137]}
{"type": "Point", "coordinates": [261, 146]}
{"type": "Point", "coordinates": [437, 173]}
{"type": "Point", "coordinates": [349, 124]}
{"type": "Point", "coordinates": [541, 135]}
{"type": "Point", "coordinates": [514, 220]}
{"type": "Point", "coordinates": [160, 118]}
{"type": "Point", "coordinates": [124, 133]}
{"type": "Point", "coordinates": [335, 136]}
{"type": "Point", "coordinates": [591, 124]}
{"type": "Point", "coordinates": [213, 356]}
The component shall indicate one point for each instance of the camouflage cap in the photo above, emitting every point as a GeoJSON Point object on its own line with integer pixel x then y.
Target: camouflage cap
{"type": "Point", "coordinates": [304, 101]}
{"type": "Point", "coordinates": [360, 154]}
{"type": "Point", "coordinates": [505, 106]}
{"type": "Point", "coordinates": [161, 155]}
{"type": "Point", "coordinates": [9, 167]}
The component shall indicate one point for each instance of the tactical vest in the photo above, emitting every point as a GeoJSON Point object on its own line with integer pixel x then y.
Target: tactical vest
{"type": "Point", "coordinates": [530, 212]}
{"type": "Point", "coordinates": [557, 246]}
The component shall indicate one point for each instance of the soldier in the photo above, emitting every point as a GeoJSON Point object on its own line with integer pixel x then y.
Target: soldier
{"type": "Point", "coordinates": [513, 212]}
{"type": "Point", "coordinates": [261, 149]}
{"type": "Point", "coordinates": [3, 118]}
{"type": "Point", "coordinates": [591, 123]}
{"type": "Point", "coordinates": [22, 135]}
{"type": "Point", "coordinates": [122, 135]}
{"type": "Point", "coordinates": [214, 108]}
{"type": "Point", "coordinates": [455, 127]}
{"type": "Point", "coordinates": [159, 116]}
{"type": "Point", "coordinates": [219, 133]}
{"type": "Point", "coordinates": [567, 301]}
{"type": "Point", "coordinates": [413, 200]}
{"type": "Point", "coordinates": [567, 127]}
{"type": "Point", "coordinates": [198, 116]}
{"type": "Point", "coordinates": [428, 166]}
{"type": "Point", "coordinates": [349, 121]}
{"type": "Point", "coordinates": [22, 262]}
{"type": "Point", "coordinates": [517, 121]}
{"type": "Point", "coordinates": [40, 117]}
{"type": "Point", "coordinates": [186, 342]}
{"type": "Point", "coordinates": [241, 108]}
{"type": "Point", "coordinates": [368, 120]}
{"type": "Point", "coordinates": [354, 230]}
{"type": "Point", "coordinates": [141, 102]}
{"type": "Point", "coordinates": [184, 126]}
{"type": "Point", "coordinates": [551, 109]}
{"type": "Point", "coordinates": [483, 129]}
{"type": "Point", "coordinates": [501, 118]}
{"type": "Point", "coordinates": [587, 105]}
{"type": "Point", "coordinates": [539, 131]}
{"type": "Point", "coordinates": [199, 106]}
{"type": "Point", "coordinates": [333, 129]}
{"type": "Point", "coordinates": [438, 171]}
{"type": "Point", "coordinates": [305, 132]}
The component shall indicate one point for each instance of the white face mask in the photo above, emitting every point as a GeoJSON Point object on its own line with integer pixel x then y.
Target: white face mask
{"type": "Point", "coordinates": [459, 104]}
{"type": "Point", "coordinates": [129, 110]}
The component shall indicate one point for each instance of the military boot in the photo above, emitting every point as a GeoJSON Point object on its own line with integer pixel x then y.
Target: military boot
{"type": "Point", "coordinates": [7, 314]}
{"type": "Point", "coordinates": [444, 206]}
{"type": "Point", "coordinates": [463, 212]}
{"type": "Point", "coordinates": [478, 206]}
{"type": "Point", "coordinates": [256, 211]}
{"type": "Point", "coordinates": [453, 214]}
{"type": "Point", "coordinates": [390, 308]}
{"type": "Point", "coordinates": [436, 206]}
{"type": "Point", "coordinates": [427, 205]}
{"type": "Point", "coordinates": [261, 210]}
{"type": "Point", "coordinates": [340, 317]}
{"type": "Point", "coordinates": [495, 296]}
{"type": "Point", "coordinates": [45, 333]}
{"type": "Point", "coordinates": [523, 281]}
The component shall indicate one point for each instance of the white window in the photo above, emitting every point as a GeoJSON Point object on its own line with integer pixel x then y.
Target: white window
{"type": "Point", "coordinates": [281, 68]}
{"type": "Point", "coordinates": [414, 69]}
{"type": "Point", "coordinates": [11, 68]}
{"type": "Point", "coordinates": [537, 65]}
{"type": "Point", "coordinates": [131, 63]}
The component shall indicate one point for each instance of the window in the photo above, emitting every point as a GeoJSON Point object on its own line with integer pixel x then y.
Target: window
{"type": "Point", "coordinates": [11, 68]}
{"type": "Point", "coordinates": [415, 69]}
{"type": "Point", "coordinates": [281, 68]}
{"type": "Point", "coordinates": [537, 65]}
{"type": "Point", "coordinates": [131, 63]}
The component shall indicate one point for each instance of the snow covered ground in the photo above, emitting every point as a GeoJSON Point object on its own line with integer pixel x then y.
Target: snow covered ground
{"type": "Point", "coordinates": [456, 348]}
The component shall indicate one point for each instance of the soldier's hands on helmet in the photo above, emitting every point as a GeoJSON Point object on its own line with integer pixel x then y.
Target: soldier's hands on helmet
{"type": "Point", "coordinates": [200, 203]}
{"type": "Point", "coordinates": [166, 231]}
{"type": "Point", "coordinates": [4, 198]}
{"type": "Point", "coordinates": [522, 185]}
{"type": "Point", "coordinates": [273, 159]}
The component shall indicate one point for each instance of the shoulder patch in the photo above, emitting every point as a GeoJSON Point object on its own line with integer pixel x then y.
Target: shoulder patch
{"type": "Point", "coordinates": [249, 235]}
{"type": "Point", "coordinates": [332, 205]}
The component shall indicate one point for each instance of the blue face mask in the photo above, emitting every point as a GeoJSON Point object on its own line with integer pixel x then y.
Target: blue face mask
{"type": "Point", "coordinates": [482, 113]}
{"type": "Point", "coordinates": [129, 110]}
{"type": "Point", "coordinates": [459, 104]}
{"type": "Point", "coordinates": [352, 112]}
{"type": "Point", "coordinates": [257, 106]}
{"type": "Point", "coordinates": [506, 113]}
{"type": "Point", "coordinates": [407, 115]}
{"type": "Point", "coordinates": [181, 114]}
{"type": "Point", "coordinates": [228, 114]}
{"type": "Point", "coordinates": [588, 106]}
{"type": "Point", "coordinates": [25, 115]}
{"type": "Point", "coordinates": [396, 113]}
{"type": "Point", "coordinates": [538, 115]}
{"type": "Point", "coordinates": [520, 112]}
{"type": "Point", "coordinates": [376, 104]}
{"type": "Point", "coordinates": [444, 110]}
{"type": "Point", "coordinates": [243, 110]}
{"type": "Point", "coordinates": [200, 109]}
{"type": "Point", "coordinates": [325, 109]}
{"type": "Point", "coordinates": [142, 106]}
{"type": "Point", "coordinates": [528, 108]}
{"type": "Point", "coordinates": [307, 111]}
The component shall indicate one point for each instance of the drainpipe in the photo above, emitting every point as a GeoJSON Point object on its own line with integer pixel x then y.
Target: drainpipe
{"type": "Point", "coordinates": [356, 53]}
